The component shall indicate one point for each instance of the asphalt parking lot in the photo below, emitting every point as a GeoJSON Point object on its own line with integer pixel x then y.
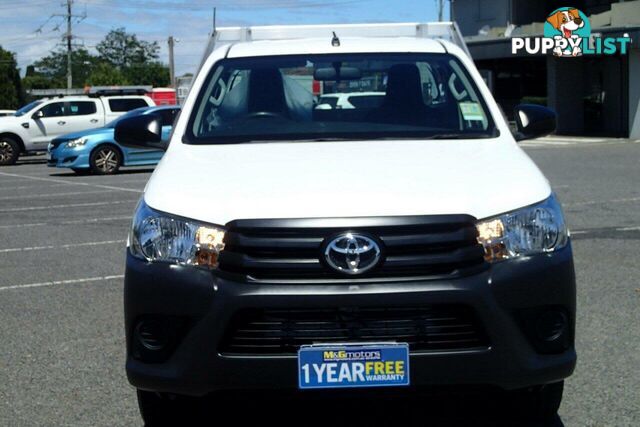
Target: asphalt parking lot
{"type": "Point", "coordinates": [62, 240]}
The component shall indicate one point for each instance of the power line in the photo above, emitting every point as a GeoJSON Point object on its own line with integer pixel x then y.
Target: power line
{"type": "Point", "coordinates": [152, 6]}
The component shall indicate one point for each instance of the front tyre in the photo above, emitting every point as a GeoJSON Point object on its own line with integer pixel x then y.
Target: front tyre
{"type": "Point", "coordinates": [9, 151]}
{"type": "Point", "coordinates": [105, 160]}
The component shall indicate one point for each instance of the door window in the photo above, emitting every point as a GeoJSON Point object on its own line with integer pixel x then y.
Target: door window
{"type": "Point", "coordinates": [74, 108]}
{"type": "Point", "coordinates": [120, 105]}
{"type": "Point", "coordinates": [55, 109]}
{"type": "Point", "coordinates": [80, 108]}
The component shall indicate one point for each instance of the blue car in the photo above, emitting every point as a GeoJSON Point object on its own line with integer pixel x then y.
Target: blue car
{"type": "Point", "coordinates": [96, 150]}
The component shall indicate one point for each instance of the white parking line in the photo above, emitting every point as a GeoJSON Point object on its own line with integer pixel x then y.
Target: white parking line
{"type": "Point", "coordinates": [36, 178]}
{"type": "Point", "coordinates": [34, 186]}
{"type": "Point", "coordinates": [73, 205]}
{"type": "Point", "coordinates": [41, 186]}
{"type": "Point", "coordinates": [576, 142]}
{"type": "Point", "coordinates": [67, 246]}
{"type": "Point", "coordinates": [620, 229]}
{"type": "Point", "coordinates": [637, 228]}
{"type": "Point", "coordinates": [91, 220]}
{"type": "Point", "coordinates": [603, 202]}
{"type": "Point", "coordinates": [62, 282]}
{"type": "Point", "coordinates": [570, 139]}
{"type": "Point", "coordinates": [7, 182]}
{"type": "Point", "coordinates": [38, 196]}
{"type": "Point", "coordinates": [35, 224]}
{"type": "Point", "coordinates": [74, 221]}
{"type": "Point", "coordinates": [548, 142]}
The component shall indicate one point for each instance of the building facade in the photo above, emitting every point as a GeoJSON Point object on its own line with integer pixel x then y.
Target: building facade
{"type": "Point", "coordinates": [595, 95]}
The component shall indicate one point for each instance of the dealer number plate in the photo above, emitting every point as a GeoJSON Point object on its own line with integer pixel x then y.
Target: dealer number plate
{"type": "Point", "coordinates": [353, 365]}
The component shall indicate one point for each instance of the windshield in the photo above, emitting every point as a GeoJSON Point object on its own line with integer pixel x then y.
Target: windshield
{"type": "Point", "coordinates": [346, 96]}
{"type": "Point", "coordinates": [24, 110]}
{"type": "Point", "coordinates": [112, 124]}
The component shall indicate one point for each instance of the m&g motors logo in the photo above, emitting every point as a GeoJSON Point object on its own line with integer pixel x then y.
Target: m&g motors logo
{"type": "Point", "coordinates": [567, 33]}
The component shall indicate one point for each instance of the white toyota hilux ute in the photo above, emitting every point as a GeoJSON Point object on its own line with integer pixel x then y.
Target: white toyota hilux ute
{"type": "Point", "coordinates": [33, 126]}
{"type": "Point", "coordinates": [407, 243]}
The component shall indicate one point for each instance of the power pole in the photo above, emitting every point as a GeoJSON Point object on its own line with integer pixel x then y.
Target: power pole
{"type": "Point", "coordinates": [172, 69]}
{"type": "Point", "coordinates": [440, 9]}
{"type": "Point", "coordinates": [69, 37]}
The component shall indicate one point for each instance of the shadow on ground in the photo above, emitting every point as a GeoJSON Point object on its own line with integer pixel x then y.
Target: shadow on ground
{"type": "Point", "coordinates": [87, 173]}
{"type": "Point", "coordinates": [25, 161]}
{"type": "Point", "coordinates": [450, 411]}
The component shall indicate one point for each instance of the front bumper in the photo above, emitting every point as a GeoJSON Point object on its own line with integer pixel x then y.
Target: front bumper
{"type": "Point", "coordinates": [62, 157]}
{"type": "Point", "coordinates": [499, 296]}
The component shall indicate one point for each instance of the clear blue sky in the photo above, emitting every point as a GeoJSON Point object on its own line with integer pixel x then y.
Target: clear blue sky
{"type": "Point", "coordinates": [188, 20]}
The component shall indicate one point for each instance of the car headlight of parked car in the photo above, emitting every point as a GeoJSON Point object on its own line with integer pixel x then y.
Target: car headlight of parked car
{"type": "Point", "coordinates": [535, 229]}
{"type": "Point", "coordinates": [78, 142]}
{"type": "Point", "coordinates": [156, 236]}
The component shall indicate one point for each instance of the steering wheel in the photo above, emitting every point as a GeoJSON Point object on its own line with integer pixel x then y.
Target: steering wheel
{"type": "Point", "coordinates": [265, 114]}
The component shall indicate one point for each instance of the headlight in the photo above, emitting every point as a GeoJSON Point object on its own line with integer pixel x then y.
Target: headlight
{"type": "Point", "coordinates": [532, 230]}
{"type": "Point", "coordinates": [78, 142]}
{"type": "Point", "coordinates": [156, 236]}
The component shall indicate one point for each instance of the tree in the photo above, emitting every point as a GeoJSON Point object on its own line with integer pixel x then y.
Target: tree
{"type": "Point", "coordinates": [54, 67]}
{"type": "Point", "coordinates": [105, 74]}
{"type": "Point", "coordinates": [153, 73]}
{"type": "Point", "coordinates": [124, 50]}
{"type": "Point", "coordinates": [36, 82]}
{"type": "Point", "coordinates": [122, 59]}
{"type": "Point", "coordinates": [11, 95]}
{"type": "Point", "coordinates": [136, 59]}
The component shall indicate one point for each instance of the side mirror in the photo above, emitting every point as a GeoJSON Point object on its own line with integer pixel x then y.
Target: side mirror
{"type": "Point", "coordinates": [533, 121]}
{"type": "Point", "coordinates": [37, 115]}
{"type": "Point", "coordinates": [143, 131]}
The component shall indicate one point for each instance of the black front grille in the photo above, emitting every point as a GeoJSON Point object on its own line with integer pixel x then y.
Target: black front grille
{"type": "Point", "coordinates": [283, 331]}
{"type": "Point", "coordinates": [56, 143]}
{"type": "Point", "coordinates": [443, 246]}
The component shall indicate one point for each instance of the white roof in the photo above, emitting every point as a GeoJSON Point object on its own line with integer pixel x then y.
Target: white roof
{"type": "Point", "coordinates": [323, 46]}
{"type": "Point", "coordinates": [354, 38]}
{"type": "Point", "coordinates": [67, 98]}
{"type": "Point", "coordinates": [89, 98]}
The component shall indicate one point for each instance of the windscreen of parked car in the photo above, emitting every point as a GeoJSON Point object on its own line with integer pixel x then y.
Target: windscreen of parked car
{"type": "Point", "coordinates": [279, 98]}
{"type": "Point", "coordinates": [24, 110]}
